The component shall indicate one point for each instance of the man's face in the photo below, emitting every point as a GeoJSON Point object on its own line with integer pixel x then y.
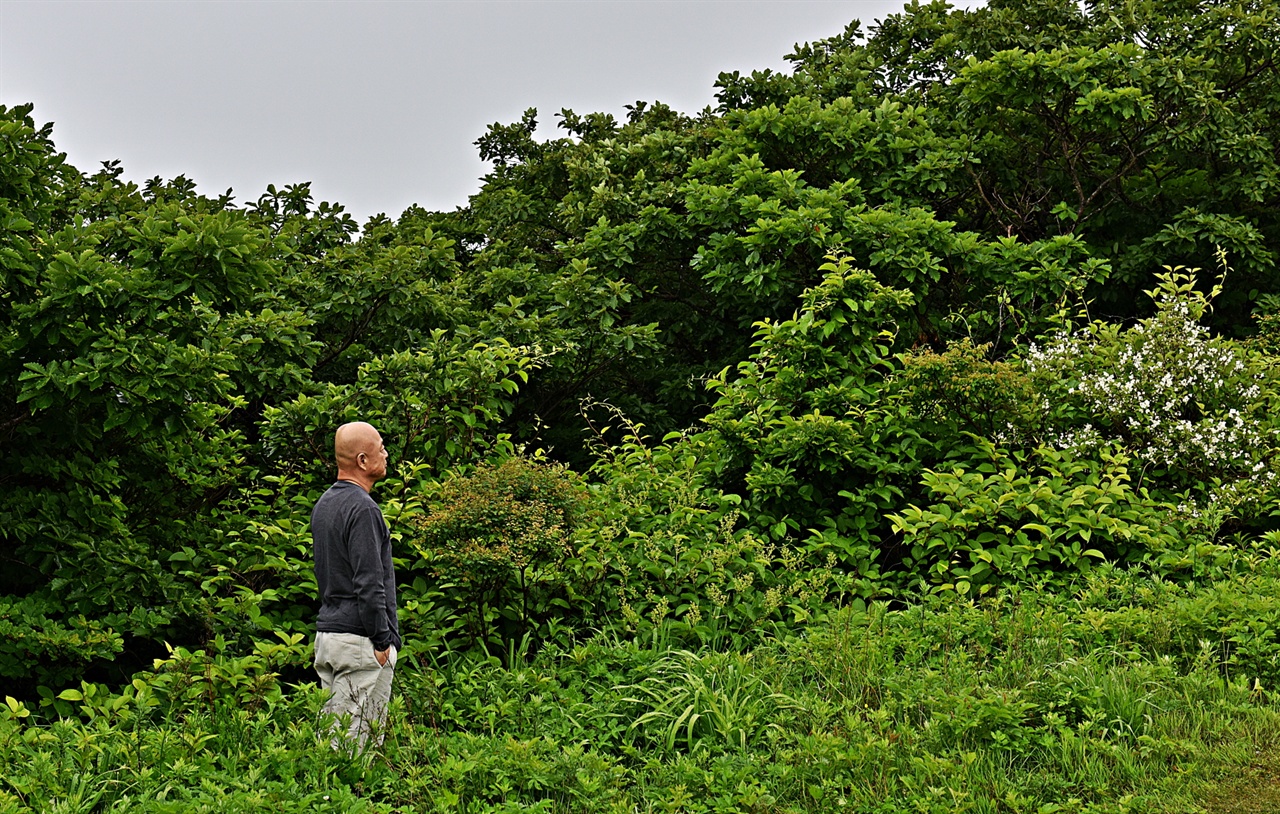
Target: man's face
{"type": "Point", "coordinates": [375, 459]}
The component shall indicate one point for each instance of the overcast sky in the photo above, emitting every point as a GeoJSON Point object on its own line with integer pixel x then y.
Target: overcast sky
{"type": "Point", "coordinates": [378, 104]}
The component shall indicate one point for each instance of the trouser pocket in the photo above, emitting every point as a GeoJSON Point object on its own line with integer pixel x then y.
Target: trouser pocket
{"type": "Point", "coordinates": [339, 653]}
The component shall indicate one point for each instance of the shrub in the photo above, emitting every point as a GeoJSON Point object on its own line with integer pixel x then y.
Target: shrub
{"type": "Point", "coordinates": [499, 537]}
{"type": "Point", "coordinates": [665, 549]}
{"type": "Point", "coordinates": [1195, 411]}
{"type": "Point", "coordinates": [1022, 517]}
{"type": "Point", "coordinates": [962, 390]}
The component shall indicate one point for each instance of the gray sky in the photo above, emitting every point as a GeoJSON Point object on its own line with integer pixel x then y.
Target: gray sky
{"type": "Point", "coordinates": [378, 104]}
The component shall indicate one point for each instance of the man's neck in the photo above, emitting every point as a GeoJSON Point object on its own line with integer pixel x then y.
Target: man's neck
{"type": "Point", "coordinates": [357, 479]}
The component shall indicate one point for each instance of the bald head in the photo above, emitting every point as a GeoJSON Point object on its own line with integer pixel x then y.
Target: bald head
{"type": "Point", "coordinates": [360, 454]}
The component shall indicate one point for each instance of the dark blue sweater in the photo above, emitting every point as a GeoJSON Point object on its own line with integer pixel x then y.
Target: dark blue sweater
{"type": "Point", "coordinates": [354, 573]}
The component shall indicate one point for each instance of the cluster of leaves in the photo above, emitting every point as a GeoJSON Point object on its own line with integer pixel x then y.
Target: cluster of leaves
{"type": "Point", "coordinates": [202, 731]}
{"type": "Point", "coordinates": [1024, 517]}
{"type": "Point", "coordinates": [47, 650]}
{"type": "Point", "coordinates": [666, 549]}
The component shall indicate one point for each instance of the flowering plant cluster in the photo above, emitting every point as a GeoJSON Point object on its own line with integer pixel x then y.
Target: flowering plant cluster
{"type": "Point", "coordinates": [1194, 409]}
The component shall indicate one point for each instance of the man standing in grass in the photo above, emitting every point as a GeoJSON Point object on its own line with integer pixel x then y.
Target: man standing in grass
{"type": "Point", "coordinates": [357, 633]}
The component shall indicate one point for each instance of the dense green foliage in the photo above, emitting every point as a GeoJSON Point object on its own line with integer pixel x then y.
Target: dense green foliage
{"type": "Point", "coordinates": [1132, 695]}
{"type": "Point", "coordinates": [965, 309]}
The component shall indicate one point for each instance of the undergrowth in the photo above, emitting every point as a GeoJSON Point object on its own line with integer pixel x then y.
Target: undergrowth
{"type": "Point", "coordinates": [1124, 694]}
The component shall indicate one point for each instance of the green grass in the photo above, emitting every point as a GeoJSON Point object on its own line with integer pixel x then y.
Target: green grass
{"type": "Point", "coordinates": [1126, 695]}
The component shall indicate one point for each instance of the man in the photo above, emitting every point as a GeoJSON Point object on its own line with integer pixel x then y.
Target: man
{"type": "Point", "coordinates": [357, 633]}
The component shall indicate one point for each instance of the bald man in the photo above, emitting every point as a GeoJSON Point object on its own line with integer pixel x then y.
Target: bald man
{"type": "Point", "coordinates": [357, 633]}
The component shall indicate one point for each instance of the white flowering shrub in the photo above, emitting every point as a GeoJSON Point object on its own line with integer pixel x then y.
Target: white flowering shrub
{"type": "Point", "coordinates": [1197, 412]}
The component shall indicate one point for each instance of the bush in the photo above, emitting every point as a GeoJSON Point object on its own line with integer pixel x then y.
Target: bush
{"type": "Point", "coordinates": [499, 539]}
{"type": "Point", "coordinates": [1196, 412]}
{"type": "Point", "coordinates": [1028, 517]}
{"type": "Point", "coordinates": [664, 549]}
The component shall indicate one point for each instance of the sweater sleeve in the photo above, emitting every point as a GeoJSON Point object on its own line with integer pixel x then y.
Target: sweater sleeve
{"type": "Point", "coordinates": [367, 570]}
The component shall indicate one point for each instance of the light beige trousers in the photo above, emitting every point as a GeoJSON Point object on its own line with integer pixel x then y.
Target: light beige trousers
{"type": "Point", "coordinates": [359, 687]}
